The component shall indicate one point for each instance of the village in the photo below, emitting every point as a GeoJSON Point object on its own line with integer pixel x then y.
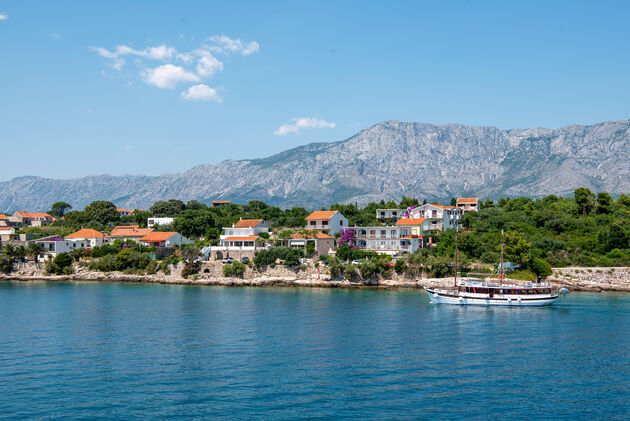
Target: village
{"type": "Point", "coordinates": [403, 231]}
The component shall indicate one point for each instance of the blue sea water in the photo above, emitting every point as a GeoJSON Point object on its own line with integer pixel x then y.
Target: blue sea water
{"type": "Point", "coordinates": [121, 351]}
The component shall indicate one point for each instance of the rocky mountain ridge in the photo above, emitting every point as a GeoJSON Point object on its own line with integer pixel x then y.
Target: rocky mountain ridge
{"type": "Point", "coordinates": [385, 161]}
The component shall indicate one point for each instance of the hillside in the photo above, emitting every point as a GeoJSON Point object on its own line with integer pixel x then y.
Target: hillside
{"type": "Point", "coordinates": [385, 161]}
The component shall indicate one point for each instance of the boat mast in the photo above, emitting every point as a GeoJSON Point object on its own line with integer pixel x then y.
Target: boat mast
{"type": "Point", "coordinates": [501, 264]}
{"type": "Point", "coordinates": [455, 278]}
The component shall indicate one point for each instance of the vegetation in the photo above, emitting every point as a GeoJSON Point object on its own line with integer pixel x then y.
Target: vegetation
{"type": "Point", "coordinates": [234, 270]}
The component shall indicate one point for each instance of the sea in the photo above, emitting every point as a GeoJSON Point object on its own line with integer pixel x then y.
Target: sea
{"type": "Point", "coordinates": [85, 350]}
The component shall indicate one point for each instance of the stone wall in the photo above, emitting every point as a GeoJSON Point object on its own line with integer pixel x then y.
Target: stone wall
{"type": "Point", "coordinates": [592, 279]}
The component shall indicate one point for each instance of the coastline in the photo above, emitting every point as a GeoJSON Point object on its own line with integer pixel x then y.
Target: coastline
{"type": "Point", "coordinates": [581, 280]}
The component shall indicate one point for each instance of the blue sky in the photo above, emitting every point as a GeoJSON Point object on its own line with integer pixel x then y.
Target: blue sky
{"type": "Point", "coordinates": [155, 87]}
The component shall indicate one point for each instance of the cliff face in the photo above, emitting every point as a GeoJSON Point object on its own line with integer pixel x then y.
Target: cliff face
{"type": "Point", "coordinates": [385, 161]}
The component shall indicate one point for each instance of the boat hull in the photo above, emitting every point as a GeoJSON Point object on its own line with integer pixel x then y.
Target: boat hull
{"type": "Point", "coordinates": [444, 297]}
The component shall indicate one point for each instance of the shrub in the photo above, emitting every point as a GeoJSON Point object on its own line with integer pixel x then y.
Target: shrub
{"type": "Point", "coordinates": [400, 266]}
{"type": "Point", "coordinates": [540, 267]}
{"type": "Point", "coordinates": [289, 256]}
{"type": "Point", "coordinates": [234, 270]}
{"type": "Point", "coordinates": [190, 269]}
{"type": "Point", "coordinates": [6, 265]}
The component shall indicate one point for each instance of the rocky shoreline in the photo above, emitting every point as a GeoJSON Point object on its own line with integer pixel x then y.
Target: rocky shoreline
{"type": "Point", "coordinates": [575, 279]}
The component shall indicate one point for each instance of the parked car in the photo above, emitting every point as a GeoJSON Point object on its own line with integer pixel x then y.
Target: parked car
{"type": "Point", "coordinates": [303, 260]}
{"type": "Point", "coordinates": [244, 259]}
{"type": "Point", "coordinates": [356, 262]}
{"type": "Point", "coordinates": [228, 260]}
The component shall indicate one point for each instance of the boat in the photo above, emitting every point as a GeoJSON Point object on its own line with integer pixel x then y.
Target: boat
{"type": "Point", "coordinates": [470, 291]}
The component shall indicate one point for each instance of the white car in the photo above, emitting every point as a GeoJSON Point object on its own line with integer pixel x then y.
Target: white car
{"type": "Point", "coordinates": [303, 260]}
{"type": "Point", "coordinates": [356, 262]}
{"type": "Point", "coordinates": [227, 260]}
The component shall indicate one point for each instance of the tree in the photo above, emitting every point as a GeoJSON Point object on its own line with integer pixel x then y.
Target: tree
{"type": "Point", "coordinates": [194, 223]}
{"type": "Point", "coordinates": [585, 200]}
{"type": "Point", "coordinates": [33, 250]}
{"type": "Point", "coordinates": [617, 238]}
{"type": "Point", "coordinates": [624, 200]}
{"type": "Point", "coordinates": [171, 207]}
{"type": "Point", "coordinates": [516, 248]}
{"type": "Point", "coordinates": [453, 201]}
{"type": "Point", "coordinates": [58, 209]}
{"type": "Point", "coordinates": [408, 202]}
{"type": "Point", "coordinates": [541, 267]}
{"type": "Point", "coordinates": [604, 202]}
{"type": "Point", "coordinates": [190, 253]}
{"type": "Point", "coordinates": [102, 212]}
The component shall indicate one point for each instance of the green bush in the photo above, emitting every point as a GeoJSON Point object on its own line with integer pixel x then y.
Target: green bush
{"type": "Point", "coordinates": [540, 267]}
{"type": "Point", "coordinates": [289, 256]}
{"type": "Point", "coordinates": [400, 266]}
{"type": "Point", "coordinates": [61, 264]}
{"type": "Point", "coordinates": [190, 269]}
{"type": "Point", "coordinates": [6, 265]}
{"type": "Point", "coordinates": [234, 270]}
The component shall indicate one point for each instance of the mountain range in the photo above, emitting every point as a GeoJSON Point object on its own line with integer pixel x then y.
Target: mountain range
{"type": "Point", "coordinates": [385, 161]}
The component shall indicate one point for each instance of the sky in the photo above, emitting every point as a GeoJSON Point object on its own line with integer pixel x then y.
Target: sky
{"type": "Point", "coordinates": [154, 87]}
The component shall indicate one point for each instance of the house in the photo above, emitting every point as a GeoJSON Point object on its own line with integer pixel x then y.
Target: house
{"type": "Point", "coordinates": [52, 246]}
{"type": "Point", "coordinates": [384, 215]}
{"type": "Point", "coordinates": [414, 226]}
{"type": "Point", "coordinates": [159, 221]}
{"type": "Point", "coordinates": [329, 222]}
{"type": "Point", "coordinates": [323, 242]}
{"type": "Point", "coordinates": [217, 203]}
{"type": "Point", "coordinates": [88, 238]}
{"type": "Point", "coordinates": [7, 230]}
{"type": "Point", "coordinates": [393, 240]}
{"type": "Point", "coordinates": [440, 217]}
{"type": "Point", "coordinates": [124, 212]}
{"type": "Point", "coordinates": [129, 232]}
{"type": "Point", "coordinates": [33, 219]}
{"type": "Point", "coordinates": [4, 220]}
{"type": "Point", "coordinates": [164, 239]}
{"type": "Point", "coordinates": [246, 227]}
{"type": "Point", "coordinates": [468, 204]}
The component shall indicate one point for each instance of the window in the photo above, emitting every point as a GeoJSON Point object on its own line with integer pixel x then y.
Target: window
{"type": "Point", "coordinates": [313, 223]}
{"type": "Point", "coordinates": [340, 223]}
{"type": "Point", "coordinates": [393, 233]}
{"type": "Point", "coordinates": [324, 222]}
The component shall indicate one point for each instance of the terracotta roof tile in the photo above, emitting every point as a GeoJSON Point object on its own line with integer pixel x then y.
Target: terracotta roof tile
{"type": "Point", "coordinates": [243, 238]}
{"type": "Point", "coordinates": [157, 237]}
{"type": "Point", "coordinates": [321, 215]}
{"type": "Point", "coordinates": [130, 231]}
{"type": "Point", "coordinates": [87, 233]}
{"type": "Point", "coordinates": [410, 221]}
{"type": "Point", "coordinates": [33, 214]}
{"type": "Point", "coordinates": [467, 200]}
{"type": "Point", "coordinates": [247, 223]}
{"type": "Point", "coordinates": [3, 216]}
{"type": "Point", "coordinates": [320, 235]}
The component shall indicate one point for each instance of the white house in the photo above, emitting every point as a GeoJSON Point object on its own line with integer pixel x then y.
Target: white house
{"type": "Point", "coordinates": [164, 239]}
{"type": "Point", "coordinates": [439, 217]}
{"type": "Point", "coordinates": [165, 220]}
{"type": "Point", "coordinates": [87, 238]}
{"type": "Point", "coordinates": [389, 214]}
{"type": "Point", "coordinates": [328, 222]}
{"type": "Point", "coordinates": [391, 240]}
{"type": "Point", "coordinates": [52, 246]}
{"type": "Point", "coordinates": [124, 212]}
{"type": "Point", "coordinates": [245, 228]}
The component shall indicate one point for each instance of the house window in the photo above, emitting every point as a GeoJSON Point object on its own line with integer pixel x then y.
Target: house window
{"type": "Point", "coordinates": [313, 223]}
{"type": "Point", "coordinates": [324, 222]}
{"type": "Point", "coordinates": [393, 232]}
{"type": "Point", "coordinates": [340, 223]}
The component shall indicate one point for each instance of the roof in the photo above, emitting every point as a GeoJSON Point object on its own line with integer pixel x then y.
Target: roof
{"type": "Point", "coordinates": [247, 223]}
{"type": "Point", "coordinates": [221, 202]}
{"type": "Point", "coordinates": [6, 228]}
{"type": "Point", "coordinates": [441, 206]}
{"type": "Point", "coordinates": [33, 214]}
{"type": "Point", "coordinates": [157, 237]}
{"type": "Point", "coordinates": [319, 235]}
{"type": "Point", "coordinates": [321, 215]}
{"type": "Point", "coordinates": [467, 200]}
{"type": "Point", "coordinates": [408, 237]}
{"type": "Point", "coordinates": [3, 216]}
{"type": "Point", "coordinates": [123, 210]}
{"type": "Point", "coordinates": [86, 233]}
{"type": "Point", "coordinates": [242, 238]}
{"type": "Point", "coordinates": [130, 231]}
{"type": "Point", "coordinates": [410, 221]}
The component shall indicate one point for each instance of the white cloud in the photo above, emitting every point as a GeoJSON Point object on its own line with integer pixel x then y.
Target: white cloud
{"type": "Point", "coordinates": [226, 44]}
{"type": "Point", "coordinates": [201, 93]}
{"type": "Point", "coordinates": [55, 35]}
{"type": "Point", "coordinates": [3, 16]}
{"type": "Point", "coordinates": [208, 65]}
{"type": "Point", "coordinates": [168, 76]}
{"type": "Point", "coordinates": [161, 52]}
{"type": "Point", "coordinates": [303, 123]}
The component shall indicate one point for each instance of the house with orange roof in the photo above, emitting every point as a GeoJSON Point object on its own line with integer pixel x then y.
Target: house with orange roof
{"type": "Point", "coordinates": [4, 220]}
{"type": "Point", "coordinates": [439, 217]}
{"type": "Point", "coordinates": [124, 212]}
{"type": "Point", "coordinates": [468, 204]}
{"type": "Point", "coordinates": [164, 239]}
{"type": "Point", "coordinates": [129, 232]}
{"type": "Point", "coordinates": [246, 228]}
{"type": "Point", "coordinates": [88, 238]}
{"type": "Point", "coordinates": [33, 219]}
{"type": "Point", "coordinates": [217, 203]}
{"type": "Point", "coordinates": [329, 222]}
{"type": "Point", "coordinates": [323, 243]}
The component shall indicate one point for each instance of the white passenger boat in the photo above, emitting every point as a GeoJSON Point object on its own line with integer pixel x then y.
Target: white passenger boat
{"type": "Point", "coordinates": [476, 292]}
